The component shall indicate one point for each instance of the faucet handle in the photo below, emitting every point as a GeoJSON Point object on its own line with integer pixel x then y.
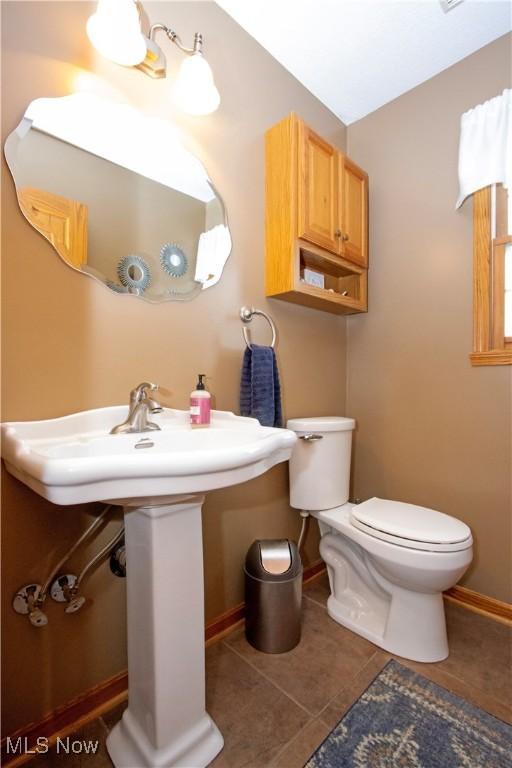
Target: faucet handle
{"type": "Point", "coordinates": [147, 385]}
{"type": "Point", "coordinates": [137, 394]}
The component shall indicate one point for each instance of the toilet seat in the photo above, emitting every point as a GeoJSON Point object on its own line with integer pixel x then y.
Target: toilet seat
{"type": "Point", "coordinates": [407, 525]}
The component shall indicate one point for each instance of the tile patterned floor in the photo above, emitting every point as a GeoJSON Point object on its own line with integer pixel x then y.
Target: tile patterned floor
{"type": "Point", "coordinates": [274, 710]}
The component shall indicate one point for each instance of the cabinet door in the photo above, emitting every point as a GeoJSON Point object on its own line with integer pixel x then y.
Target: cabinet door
{"type": "Point", "coordinates": [318, 190]}
{"type": "Point", "coordinates": [353, 212]}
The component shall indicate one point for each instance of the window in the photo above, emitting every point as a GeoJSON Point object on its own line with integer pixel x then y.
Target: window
{"type": "Point", "coordinates": [492, 277]}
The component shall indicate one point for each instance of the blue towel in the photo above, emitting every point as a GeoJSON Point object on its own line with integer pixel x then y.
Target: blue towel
{"type": "Point", "coordinates": [260, 391]}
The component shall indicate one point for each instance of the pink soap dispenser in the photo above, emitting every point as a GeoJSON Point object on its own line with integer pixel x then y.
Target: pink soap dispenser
{"type": "Point", "coordinates": [200, 405]}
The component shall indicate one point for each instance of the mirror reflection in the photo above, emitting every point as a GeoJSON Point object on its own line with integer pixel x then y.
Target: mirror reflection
{"type": "Point", "coordinates": [119, 197]}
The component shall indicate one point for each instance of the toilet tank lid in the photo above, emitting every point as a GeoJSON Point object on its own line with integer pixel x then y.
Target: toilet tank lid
{"type": "Point", "coordinates": [409, 521]}
{"type": "Point", "coordinates": [321, 424]}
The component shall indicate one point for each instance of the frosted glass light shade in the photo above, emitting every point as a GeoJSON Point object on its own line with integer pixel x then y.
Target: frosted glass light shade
{"type": "Point", "coordinates": [194, 90]}
{"type": "Point", "coordinates": [115, 32]}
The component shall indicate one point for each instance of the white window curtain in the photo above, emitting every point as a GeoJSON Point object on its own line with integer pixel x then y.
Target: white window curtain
{"type": "Point", "coordinates": [485, 149]}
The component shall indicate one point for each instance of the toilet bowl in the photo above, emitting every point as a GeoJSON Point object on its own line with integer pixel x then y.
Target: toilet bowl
{"type": "Point", "coordinates": [388, 562]}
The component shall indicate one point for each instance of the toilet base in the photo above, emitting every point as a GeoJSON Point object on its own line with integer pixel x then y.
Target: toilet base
{"type": "Point", "coordinates": [414, 626]}
{"type": "Point", "coordinates": [402, 621]}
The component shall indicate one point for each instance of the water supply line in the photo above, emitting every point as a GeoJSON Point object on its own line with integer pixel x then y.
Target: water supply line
{"type": "Point", "coordinates": [100, 555]}
{"type": "Point", "coordinates": [85, 535]}
{"type": "Point", "coordinates": [76, 601]}
{"type": "Point", "coordinates": [30, 598]}
{"type": "Point", "coordinates": [303, 529]}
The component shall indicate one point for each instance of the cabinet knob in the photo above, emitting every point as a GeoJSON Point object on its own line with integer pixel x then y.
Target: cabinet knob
{"type": "Point", "coordinates": [341, 235]}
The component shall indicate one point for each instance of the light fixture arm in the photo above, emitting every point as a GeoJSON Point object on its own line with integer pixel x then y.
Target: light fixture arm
{"type": "Point", "coordinates": [174, 38]}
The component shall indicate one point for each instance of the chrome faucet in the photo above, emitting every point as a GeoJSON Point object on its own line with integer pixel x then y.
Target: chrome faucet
{"type": "Point", "coordinates": [141, 405]}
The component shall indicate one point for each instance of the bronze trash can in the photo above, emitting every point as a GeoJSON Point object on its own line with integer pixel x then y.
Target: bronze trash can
{"type": "Point", "coordinates": [273, 593]}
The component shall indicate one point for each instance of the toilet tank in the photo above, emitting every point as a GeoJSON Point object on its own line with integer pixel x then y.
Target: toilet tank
{"type": "Point", "coordinates": [320, 462]}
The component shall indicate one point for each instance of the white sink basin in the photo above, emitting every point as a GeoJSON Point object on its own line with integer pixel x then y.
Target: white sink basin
{"type": "Point", "coordinates": [158, 477]}
{"type": "Point", "coordinates": [74, 459]}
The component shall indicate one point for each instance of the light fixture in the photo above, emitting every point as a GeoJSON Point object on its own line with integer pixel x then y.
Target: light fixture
{"type": "Point", "coordinates": [194, 90]}
{"type": "Point", "coordinates": [115, 32]}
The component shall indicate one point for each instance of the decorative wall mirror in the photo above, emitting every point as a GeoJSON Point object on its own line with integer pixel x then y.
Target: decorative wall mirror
{"type": "Point", "coordinates": [119, 197]}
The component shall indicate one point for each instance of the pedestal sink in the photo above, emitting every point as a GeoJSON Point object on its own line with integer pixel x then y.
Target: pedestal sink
{"type": "Point", "coordinates": [159, 478]}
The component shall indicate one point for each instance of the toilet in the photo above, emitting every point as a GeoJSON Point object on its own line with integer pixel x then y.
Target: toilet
{"type": "Point", "coordinates": [388, 562]}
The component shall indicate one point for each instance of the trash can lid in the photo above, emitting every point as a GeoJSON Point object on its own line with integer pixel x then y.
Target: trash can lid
{"type": "Point", "coordinates": [273, 558]}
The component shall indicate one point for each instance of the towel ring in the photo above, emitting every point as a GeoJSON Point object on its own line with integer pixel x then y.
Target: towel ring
{"type": "Point", "coordinates": [247, 314]}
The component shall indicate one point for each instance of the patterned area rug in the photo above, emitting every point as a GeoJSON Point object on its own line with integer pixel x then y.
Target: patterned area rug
{"type": "Point", "coordinates": [403, 720]}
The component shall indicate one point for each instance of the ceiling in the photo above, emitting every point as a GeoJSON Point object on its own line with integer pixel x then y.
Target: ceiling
{"type": "Point", "coordinates": [356, 55]}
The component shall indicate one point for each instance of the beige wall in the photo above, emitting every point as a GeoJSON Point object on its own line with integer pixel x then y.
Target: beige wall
{"type": "Point", "coordinates": [69, 344]}
{"type": "Point", "coordinates": [432, 430]}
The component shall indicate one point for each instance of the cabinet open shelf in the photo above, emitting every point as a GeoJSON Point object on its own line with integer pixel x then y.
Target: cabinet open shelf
{"type": "Point", "coordinates": [345, 284]}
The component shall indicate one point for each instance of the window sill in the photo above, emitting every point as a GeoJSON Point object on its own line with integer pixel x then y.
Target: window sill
{"type": "Point", "coordinates": [492, 357]}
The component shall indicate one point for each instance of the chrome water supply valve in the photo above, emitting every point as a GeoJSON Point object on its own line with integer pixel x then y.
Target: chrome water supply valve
{"type": "Point", "coordinates": [75, 604]}
{"type": "Point", "coordinates": [64, 590]}
{"type": "Point", "coordinates": [26, 602]}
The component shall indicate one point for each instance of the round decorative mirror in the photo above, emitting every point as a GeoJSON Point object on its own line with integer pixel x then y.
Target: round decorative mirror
{"type": "Point", "coordinates": [119, 197]}
{"type": "Point", "coordinates": [173, 260]}
{"type": "Point", "coordinates": [134, 274]}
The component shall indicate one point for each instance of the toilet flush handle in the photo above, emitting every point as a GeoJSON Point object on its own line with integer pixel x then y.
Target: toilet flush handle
{"type": "Point", "coordinates": [310, 438]}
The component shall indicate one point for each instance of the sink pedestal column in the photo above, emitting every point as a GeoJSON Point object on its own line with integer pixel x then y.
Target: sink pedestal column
{"type": "Point", "coordinates": [166, 723]}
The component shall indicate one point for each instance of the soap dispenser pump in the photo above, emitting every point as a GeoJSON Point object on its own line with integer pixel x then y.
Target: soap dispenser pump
{"type": "Point", "coordinates": [200, 405]}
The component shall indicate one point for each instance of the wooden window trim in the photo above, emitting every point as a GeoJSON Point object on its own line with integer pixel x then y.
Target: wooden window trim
{"type": "Point", "coordinates": [489, 345]}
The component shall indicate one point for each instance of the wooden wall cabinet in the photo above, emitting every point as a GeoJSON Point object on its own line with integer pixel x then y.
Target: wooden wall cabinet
{"type": "Point", "coordinates": [316, 218]}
